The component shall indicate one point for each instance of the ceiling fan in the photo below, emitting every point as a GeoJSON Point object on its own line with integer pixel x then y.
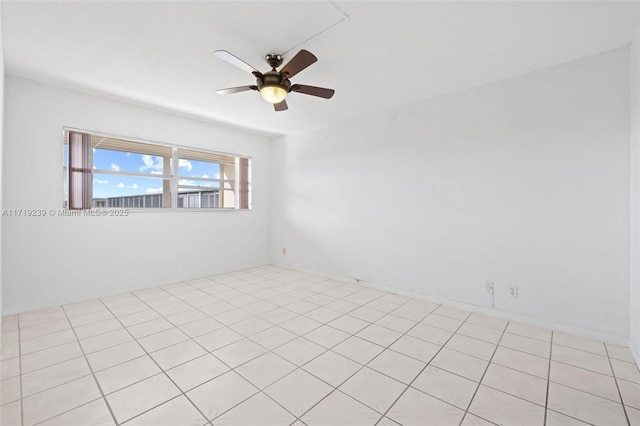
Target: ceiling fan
{"type": "Point", "coordinates": [275, 85]}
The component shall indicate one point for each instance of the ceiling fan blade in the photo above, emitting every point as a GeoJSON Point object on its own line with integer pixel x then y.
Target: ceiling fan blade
{"type": "Point", "coordinates": [281, 106]}
{"type": "Point", "coordinates": [231, 90]}
{"type": "Point", "coordinates": [302, 60]}
{"type": "Point", "coordinates": [234, 60]}
{"type": "Point", "coordinates": [320, 92]}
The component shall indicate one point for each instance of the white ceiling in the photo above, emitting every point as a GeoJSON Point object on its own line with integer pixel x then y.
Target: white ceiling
{"type": "Point", "coordinates": [376, 55]}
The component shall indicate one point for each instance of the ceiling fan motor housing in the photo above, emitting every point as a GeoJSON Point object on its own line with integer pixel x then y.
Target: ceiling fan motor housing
{"type": "Point", "coordinates": [273, 78]}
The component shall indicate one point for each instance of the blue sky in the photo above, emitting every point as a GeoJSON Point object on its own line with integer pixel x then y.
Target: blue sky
{"type": "Point", "coordinates": [109, 185]}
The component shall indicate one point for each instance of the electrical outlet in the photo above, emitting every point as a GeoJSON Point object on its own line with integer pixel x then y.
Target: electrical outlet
{"type": "Point", "coordinates": [488, 287]}
{"type": "Point", "coordinates": [512, 290]}
{"type": "Point", "coordinates": [284, 251]}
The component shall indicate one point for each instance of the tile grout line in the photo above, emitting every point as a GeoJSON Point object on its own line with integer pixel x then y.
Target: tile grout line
{"type": "Point", "coordinates": [549, 381]}
{"type": "Point", "coordinates": [560, 362]}
{"type": "Point", "coordinates": [162, 372]}
{"type": "Point", "coordinates": [273, 325]}
{"type": "Point", "coordinates": [211, 353]}
{"type": "Point", "coordinates": [615, 378]}
{"type": "Point", "coordinates": [302, 336]}
{"type": "Point", "coordinates": [284, 343]}
{"type": "Point", "coordinates": [546, 397]}
{"type": "Point", "coordinates": [406, 333]}
{"type": "Point", "coordinates": [300, 366]}
{"type": "Point", "coordinates": [326, 350]}
{"type": "Point", "coordinates": [384, 415]}
{"type": "Point", "coordinates": [283, 306]}
{"type": "Point", "coordinates": [179, 300]}
{"type": "Point", "coordinates": [81, 339]}
{"type": "Point", "coordinates": [296, 313]}
{"type": "Point", "coordinates": [453, 333]}
{"type": "Point", "coordinates": [362, 366]}
{"type": "Point", "coordinates": [182, 393]}
{"type": "Point", "coordinates": [91, 368]}
{"type": "Point", "coordinates": [248, 337]}
{"type": "Point", "coordinates": [62, 344]}
{"type": "Point", "coordinates": [95, 379]}
{"type": "Point", "coordinates": [229, 326]}
{"type": "Point", "coordinates": [573, 387]}
{"type": "Point", "coordinates": [491, 343]}
{"type": "Point", "coordinates": [485, 372]}
{"type": "Point", "coordinates": [528, 374]}
{"type": "Point", "coordinates": [252, 314]}
{"type": "Point", "coordinates": [585, 369]}
{"type": "Point", "coordinates": [62, 384]}
{"type": "Point", "coordinates": [504, 331]}
{"type": "Point", "coordinates": [572, 417]}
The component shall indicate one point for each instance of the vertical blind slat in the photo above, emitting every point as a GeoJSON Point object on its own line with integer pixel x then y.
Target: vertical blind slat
{"type": "Point", "coordinates": [243, 185]}
{"type": "Point", "coordinates": [80, 171]}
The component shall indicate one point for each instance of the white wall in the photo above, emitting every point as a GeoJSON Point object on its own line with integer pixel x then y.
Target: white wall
{"type": "Point", "coordinates": [524, 181]}
{"type": "Point", "coordinates": [1, 149]}
{"type": "Point", "coordinates": [634, 74]}
{"type": "Point", "coordinates": [54, 259]}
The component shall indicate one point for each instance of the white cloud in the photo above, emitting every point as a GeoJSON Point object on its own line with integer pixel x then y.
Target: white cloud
{"type": "Point", "coordinates": [154, 190]}
{"type": "Point", "coordinates": [193, 183]}
{"type": "Point", "coordinates": [151, 163]}
{"type": "Point", "coordinates": [100, 181]}
{"type": "Point", "coordinates": [155, 173]}
{"type": "Point", "coordinates": [134, 186]}
{"type": "Point", "coordinates": [215, 176]}
{"type": "Point", "coordinates": [115, 167]}
{"type": "Point", "coordinates": [120, 185]}
{"type": "Point", "coordinates": [185, 164]}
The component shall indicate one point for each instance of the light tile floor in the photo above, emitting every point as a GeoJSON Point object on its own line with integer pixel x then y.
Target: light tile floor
{"type": "Point", "coordinates": [271, 346]}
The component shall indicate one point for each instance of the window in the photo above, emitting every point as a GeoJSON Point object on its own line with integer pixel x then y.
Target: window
{"type": "Point", "coordinates": [103, 172]}
{"type": "Point", "coordinates": [213, 184]}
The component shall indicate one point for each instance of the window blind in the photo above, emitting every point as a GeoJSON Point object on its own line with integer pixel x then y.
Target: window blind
{"type": "Point", "coordinates": [80, 168]}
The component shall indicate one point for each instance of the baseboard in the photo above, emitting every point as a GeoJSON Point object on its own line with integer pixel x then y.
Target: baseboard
{"type": "Point", "coordinates": [13, 310]}
{"type": "Point", "coordinates": [563, 328]}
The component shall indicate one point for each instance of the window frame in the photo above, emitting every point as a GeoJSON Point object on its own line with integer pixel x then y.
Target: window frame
{"type": "Point", "coordinates": [172, 175]}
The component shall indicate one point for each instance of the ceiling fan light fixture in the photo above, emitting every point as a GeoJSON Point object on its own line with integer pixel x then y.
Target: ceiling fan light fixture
{"type": "Point", "coordinates": [273, 93]}
{"type": "Point", "coordinates": [274, 85]}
